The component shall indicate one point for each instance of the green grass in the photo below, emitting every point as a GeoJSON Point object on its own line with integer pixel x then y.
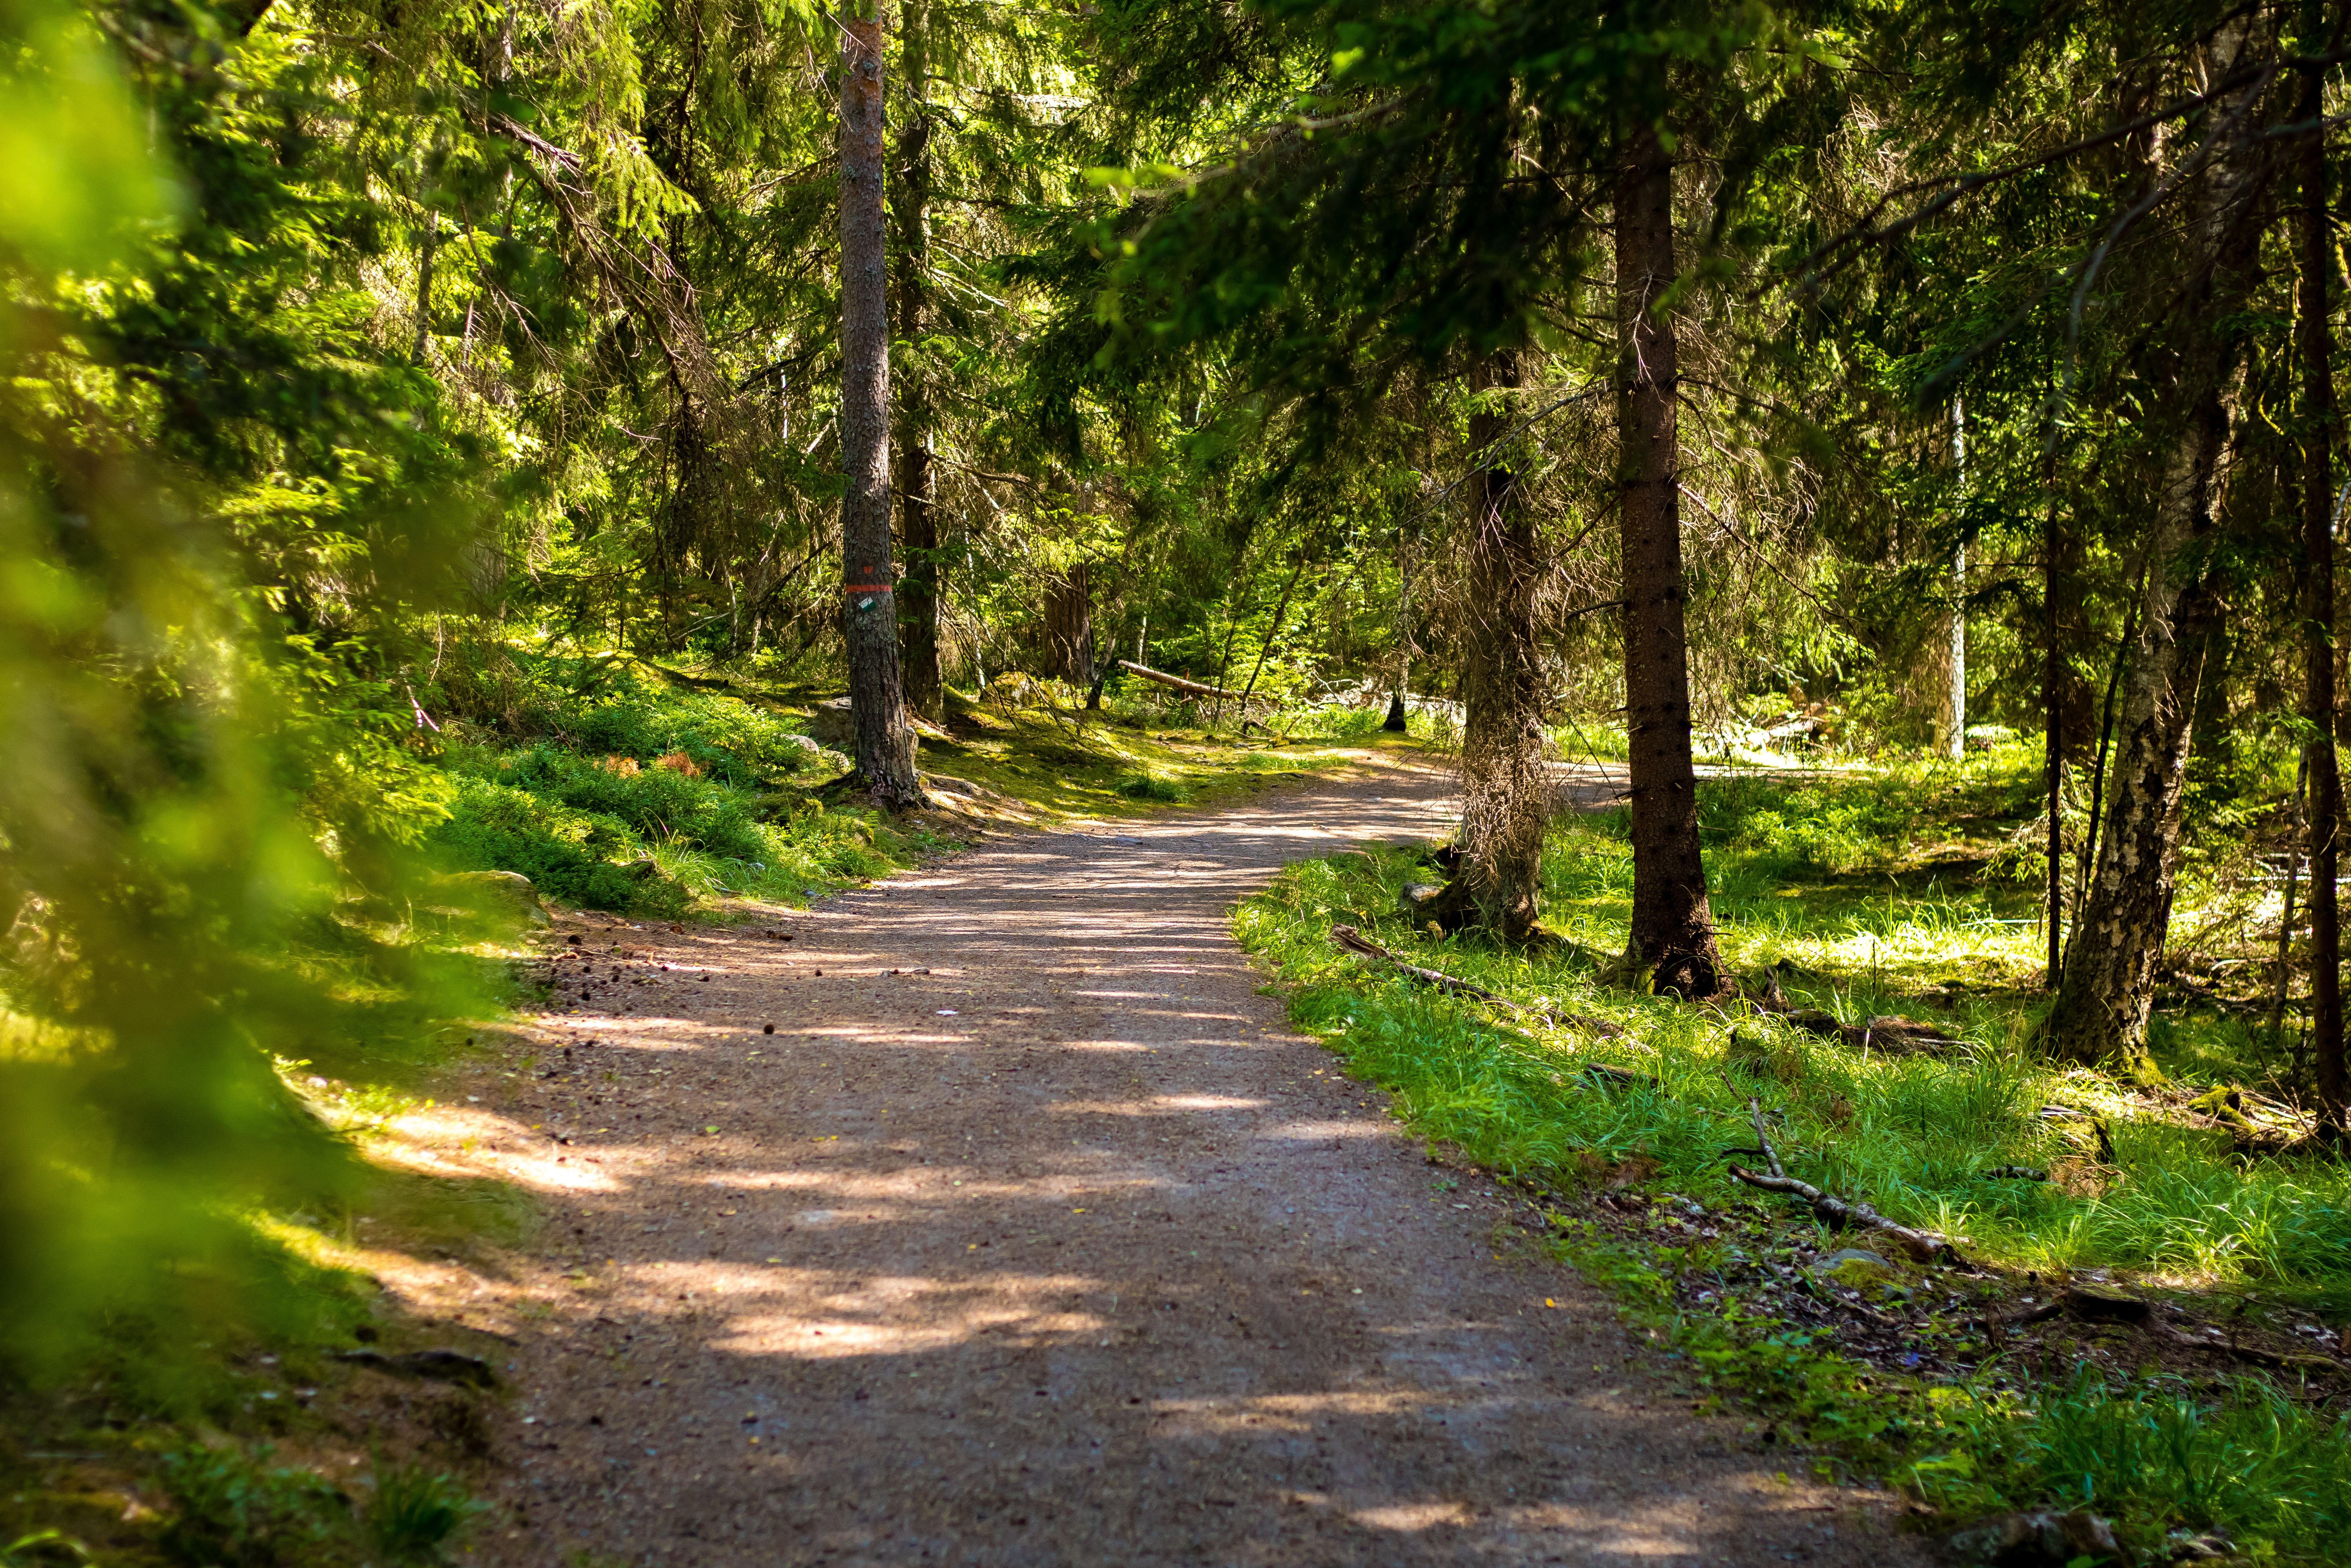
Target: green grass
{"type": "Point", "coordinates": [417, 1512]}
{"type": "Point", "coordinates": [1887, 891]}
{"type": "Point", "coordinates": [612, 788]}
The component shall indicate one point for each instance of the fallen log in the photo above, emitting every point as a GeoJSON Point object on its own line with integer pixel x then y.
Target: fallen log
{"type": "Point", "coordinates": [1177, 683]}
{"type": "Point", "coordinates": [1926, 1246]}
{"type": "Point", "coordinates": [1354, 941]}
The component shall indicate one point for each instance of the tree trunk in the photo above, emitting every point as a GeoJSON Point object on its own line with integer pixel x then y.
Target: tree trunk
{"type": "Point", "coordinates": [1672, 936]}
{"type": "Point", "coordinates": [918, 523]}
{"type": "Point", "coordinates": [1395, 724]}
{"type": "Point", "coordinates": [885, 741]}
{"type": "Point", "coordinates": [1505, 793]}
{"type": "Point", "coordinates": [1070, 625]}
{"type": "Point", "coordinates": [1955, 662]}
{"type": "Point", "coordinates": [1272, 632]}
{"type": "Point", "coordinates": [2053, 757]}
{"type": "Point", "coordinates": [2108, 985]}
{"type": "Point", "coordinates": [2318, 414]}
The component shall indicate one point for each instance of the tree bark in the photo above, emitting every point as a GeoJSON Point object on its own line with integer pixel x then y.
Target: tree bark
{"type": "Point", "coordinates": [1505, 794]}
{"type": "Point", "coordinates": [1395, 723]}
{"type": "Point", "coordinates": [2318, 419]}
{"type": "Point", "coordinates": [918, 524]}
{"type": "Point", "coordinates": [1070, 625]}
{"type": "Point", "coordinates": [2053, 757]}
{"type": "Point", "coordinates": [1955, 662]}
{"type": "Point", "coordinates": [2108, 985]}
{"type": "Point", "coordinates": [885, 740]}
{"type": "Point", "coordinates": [1672, 936]}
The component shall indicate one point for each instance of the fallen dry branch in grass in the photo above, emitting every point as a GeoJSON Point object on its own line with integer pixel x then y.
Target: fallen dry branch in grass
{"type": "Point", "coordinates": [1354, 941]}
{"type": "Point", "coordinates": [1177, 683]}
{"type": "Point", "coordinates": [1926, 1246]}
{"type": "Point", "coordinates": [2108, 1307]}
{"type": "Point", "coordinates": [1889, 1032]}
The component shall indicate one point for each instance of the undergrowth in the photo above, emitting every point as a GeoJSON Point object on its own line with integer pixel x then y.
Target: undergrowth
{"type": "Point", "coordinates": [1881, 895]}
{"type": "Point", "coordinates": [611, 786]}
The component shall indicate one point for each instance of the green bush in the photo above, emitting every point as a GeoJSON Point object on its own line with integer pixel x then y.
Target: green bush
{"type": "Point", "coordinates": [568, 854]}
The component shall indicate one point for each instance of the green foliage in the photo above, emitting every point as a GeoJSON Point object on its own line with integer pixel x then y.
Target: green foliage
{"type": "Point", "coordinates": [209, 808]}
{"type": "Point", "coordinates": [417, 1512]}
{"type": "Point", "coordinates": [1150, 787]}
{"type": "Point", "coordinates": [2258, 1465]}
{"type": "Point", "coordinates": [229, 1510]}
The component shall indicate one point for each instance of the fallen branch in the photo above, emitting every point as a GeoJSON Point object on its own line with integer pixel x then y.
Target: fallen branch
{"type": "Point", "coordinates": [1190, 688]}
{"type": "Point", "coordinates": [1889, 1032]}
{"type": "Point", "coordinates": [1926, 1246]}
{"type": "Point", "coordinates": [1354, 941]}
{"type": "Point", "coordinates": [2106, 1306]}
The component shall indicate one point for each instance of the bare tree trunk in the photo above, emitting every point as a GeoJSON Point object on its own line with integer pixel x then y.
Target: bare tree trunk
{"type": "Point", "coordinates": [1955, 669]}
{"type": "Point", "coordinates": [2108, 985]}
{"type": "Point", "coordinates": [1672, 937]}
{"type": "Point", "coordinates": [1272, 632]}
{"type": "Point", "coordinates": [918, 531]}
{"type": "Point", "coordinates": [2053, 762]}
{"type": "Point", "coordinates": [1505, 793]}
{"type": "Point", "coordinates": [2318, 418]}
{"type": "Point", "coordinates": [1395, 724]}
{"type": "Point", "coordinates": [1070, 625]}
{"type": "Point", "coordinates": [2282, 981]}
{"type": "Point", "coordinates": [885, 741]}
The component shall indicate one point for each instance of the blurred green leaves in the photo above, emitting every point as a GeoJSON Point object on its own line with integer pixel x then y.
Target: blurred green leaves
{"type": "Point", "coordinates": [206, 791]}
{"type": "Point", "coordinates": [76, 178]}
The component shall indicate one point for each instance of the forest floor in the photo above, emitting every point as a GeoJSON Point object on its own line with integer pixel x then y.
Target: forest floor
{"type": "Point", "coordinates": [1031, 1235]}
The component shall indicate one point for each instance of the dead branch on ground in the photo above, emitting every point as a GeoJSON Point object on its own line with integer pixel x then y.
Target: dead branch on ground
{"type": "Point", "coordinates": [1926, 1246]}
{"type": "Point", "coordinates": [2109, 1307]}
{"type": "Point", "coordinates": [1354, 941]}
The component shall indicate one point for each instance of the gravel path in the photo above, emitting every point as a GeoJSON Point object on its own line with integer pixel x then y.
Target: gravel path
{"type": "Point", "coordinates": [1030, 1237]}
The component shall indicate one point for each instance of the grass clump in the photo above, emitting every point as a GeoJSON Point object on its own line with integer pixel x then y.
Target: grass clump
{"type": "Point", "coordinates": [417, 1512]}
{"type": "Point", "coordinates": [1880, 900]}
{"type": "Point", "coordinates": [1151, 786]}
{"type": "Point", "coordinates": [2259, 1467]}
{"type": "Point", "coordinates": [231, 1509]}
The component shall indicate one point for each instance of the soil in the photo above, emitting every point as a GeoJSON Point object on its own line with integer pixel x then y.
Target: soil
{"type": "Point", "coordinates": [1032, 1236]}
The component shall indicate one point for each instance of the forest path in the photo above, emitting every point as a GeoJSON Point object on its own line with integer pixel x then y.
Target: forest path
{"type": "Point", "coordinates": [1030, 1237]}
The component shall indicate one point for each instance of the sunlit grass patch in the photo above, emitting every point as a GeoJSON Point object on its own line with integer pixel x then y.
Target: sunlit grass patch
{"type": "Point", "coordinates": [1886, 918]}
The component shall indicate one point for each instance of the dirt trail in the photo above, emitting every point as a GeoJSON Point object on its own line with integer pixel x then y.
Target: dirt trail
{"type": "Point", "coordinates": [1031, 1238]}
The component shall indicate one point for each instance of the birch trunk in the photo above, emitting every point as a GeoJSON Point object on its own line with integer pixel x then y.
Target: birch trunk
{"type": "Point", "coordinates": [2108, 985]}
{"type": "Point", "coordinates": [2111, 964]}
{"type": "Point", "coordinates": [885, 741]}
{"type": "Point", "coordinates": [1672, 937]}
